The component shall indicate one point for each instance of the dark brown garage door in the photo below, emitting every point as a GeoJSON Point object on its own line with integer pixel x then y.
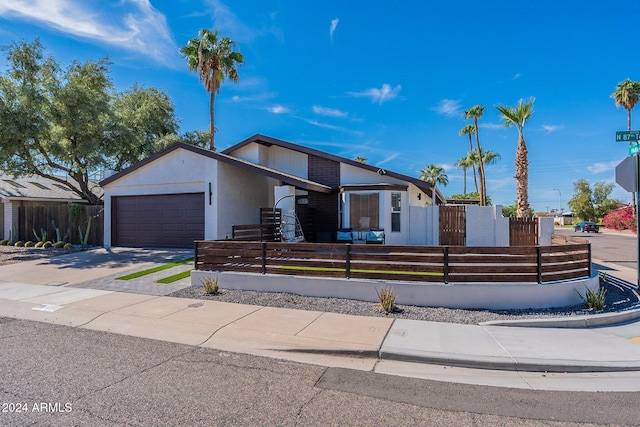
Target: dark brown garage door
{"type": "Point", "coordinates": [164, 220]}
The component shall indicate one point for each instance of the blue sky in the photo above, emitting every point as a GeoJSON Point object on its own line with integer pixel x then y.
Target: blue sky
{"type": "Point", "coordinates": [380, 80]}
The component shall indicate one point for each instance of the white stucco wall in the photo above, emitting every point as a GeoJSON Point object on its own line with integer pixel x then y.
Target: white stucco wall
{"type": "Point", "coordinates": [10, 218]}
{"type": "Point", "coordinates": [350, 175]}
{"type": "Point", "coordinates": [545, 230]}
{"type": "Point", "coordinates": [486, 226]}
{"type": "Point", "coordinates": [288, 161]}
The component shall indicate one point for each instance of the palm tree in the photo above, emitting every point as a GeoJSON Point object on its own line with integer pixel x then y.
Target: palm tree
{"type": "Point", "coordinates": [518, 116]}
{"type": "Point", "coordinates": [469, 130]}
{"type": "Point", "coordinates": [626, 95]}
{"type": "Point", "coordinates": [361, 159]}
{"type": "Point", "coordinates": [465, 163]}
{"type": "Point", "coordinates": [474, 113]}
{"type": "Point", "coordinates": [434, 175]}
{"type": "Point", "coordinates": [213, 58]}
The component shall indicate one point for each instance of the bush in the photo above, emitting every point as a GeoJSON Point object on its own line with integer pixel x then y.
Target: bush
{"type": "Point", "coordinates": [210, 285]}
{"type": "Point", "coordinates": [19, 243]}
{"type": "Point", "coordinates": [4, 242]}
{"type": "Point", "coordinates": [58, 245]}
{"type": "Point", "coordinates": [39, 244]}
{"type": "Point", "coordinates": [621, 219]}
{"type": "Point", "coordinates": [68, 246]}
{"type": "Point", "coordinates": [47, 244]}
{"type": "Point", "coordinates": [387, 299]}
{"type": "Point", "coordinates": [28, 244]}
{"type": "Point", "coordinates": [595, 300]}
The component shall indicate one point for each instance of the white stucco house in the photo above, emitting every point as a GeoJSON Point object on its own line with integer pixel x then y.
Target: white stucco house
{"type": "Point", "coordinates": [186, 193]}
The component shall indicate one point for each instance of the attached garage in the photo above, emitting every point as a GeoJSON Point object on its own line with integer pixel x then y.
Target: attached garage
{"type": "Point", "coordinates": [162, 220]}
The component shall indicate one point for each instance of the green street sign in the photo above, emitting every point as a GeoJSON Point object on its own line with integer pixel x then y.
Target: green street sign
{"type": "Point", "coordinates": [628, 136]}
{"type": "Point", "coordinates": [634, 149]}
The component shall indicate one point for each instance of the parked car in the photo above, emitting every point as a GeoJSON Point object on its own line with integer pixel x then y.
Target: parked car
{"type": "Point", "coordinates": [587, 226]}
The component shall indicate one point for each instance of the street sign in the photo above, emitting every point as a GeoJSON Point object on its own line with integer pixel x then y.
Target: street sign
{"type": "Point", "coordinates": [634, 148]}
{"type": "Point", "coordinates": [626, 174]}
{"type": "Point", "coordinates": [628, 136]}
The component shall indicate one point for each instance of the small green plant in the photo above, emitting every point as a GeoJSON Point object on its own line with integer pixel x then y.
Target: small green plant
{"type": "Point", "coordinates": [68, 246]}
{"type": "Point", "coordinates": [28, 244]}
{"type": "Point", "coordinates": [210, 285]}
{"type": "Point", "coordinates": [42, 237]}
{"type": "Point", "coordinates": [4, 242]}
{"type": "Point", "coordinates": [10, 242]}
{"type": "Point", "coordinates": [59, 244]}
{"type": "Point", "coordinates": [39, 244]}
{"type": "Point", "coordinates": [19, 243]}
{"type": "Point", "coordinates": [387, 299]}
{"type": "Point", "coordinates": [595, 300]}
{"type": "Point", "coordinates": [84, 239]}
{"type": "Point", "coordinates": [47, 244]}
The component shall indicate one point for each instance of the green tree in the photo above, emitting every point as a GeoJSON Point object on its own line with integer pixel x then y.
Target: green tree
{"type": "Point", "coordinates": [469, 130]}
{"type": "Point", "coordinates": [512, 211]}
{"type": "Point", "coordinates": [434, 175]}
{"type": "Point", "coordinates": [592, 204]}
{"type": "Point", "coordinates": [213, 58]}
{"type": "Point", "coordinates": [474, 113]}
{"type": "Point", "coordinates": [67, 123]}
{"type": "Point", "coordinates": [626, 96]}
{"type": "Point", "coordinates": [517, 116]}
{"type": "Point", "coordinates": [360, 159]}
{"type": "Point", "coordinates": [471, 196]}
{"type": "Point", "coordinates": [465, 163]}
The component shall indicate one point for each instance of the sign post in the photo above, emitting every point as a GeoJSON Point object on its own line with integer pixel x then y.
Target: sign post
{"type": "Point", "coordinates": [628, 177]}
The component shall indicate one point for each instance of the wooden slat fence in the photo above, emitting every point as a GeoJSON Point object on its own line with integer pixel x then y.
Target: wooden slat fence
{"type": "Point", "coordinates": [523, 231]}
{"type": "Point", "coordinates": [268, 229]}
{"type": "Point", "coordinates": [442, 264]}
{"type": "Point", "coordinates": [40, 218]}
{"type": "Point", "coordinates": [453, 225]}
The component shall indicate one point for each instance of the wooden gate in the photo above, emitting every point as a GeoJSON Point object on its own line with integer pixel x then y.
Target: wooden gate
{"type": "Point", "coordinates": [523, 231]}
{"type": "Point", "coordinates": [452, 226]}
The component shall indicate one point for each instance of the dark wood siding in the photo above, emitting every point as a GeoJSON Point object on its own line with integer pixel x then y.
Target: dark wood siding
{"type": "Point", "coordinates": [163, 220]}
{"type": "Point", "coordinates": [323, 206]}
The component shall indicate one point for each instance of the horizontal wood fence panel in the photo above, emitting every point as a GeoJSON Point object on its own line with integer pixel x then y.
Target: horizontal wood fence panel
{"type": "Point", "coordinates": [442, 264]}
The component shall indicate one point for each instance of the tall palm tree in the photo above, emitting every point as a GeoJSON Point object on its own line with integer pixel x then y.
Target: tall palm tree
{"type": "Point", "coordinates": [626, 95]}
{"type": "Point", "coordinates": [465, 163]}
{"type": "Point", "coordinates": [474, 113]}
{"type": "Point", "coordinates": [517, 116]}
{"type": "Point", "coordinates": [469, 130]}
{"type": "Point", "coordinates": [434, 175]}
{"type": "Point", "coordinates": [213, 58]}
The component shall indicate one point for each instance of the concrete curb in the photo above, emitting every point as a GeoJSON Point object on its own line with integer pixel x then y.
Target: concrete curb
{"type": "Point", "coordinates": [577, 322]}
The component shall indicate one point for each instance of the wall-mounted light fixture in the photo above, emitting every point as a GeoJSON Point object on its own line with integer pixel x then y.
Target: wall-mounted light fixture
{"type": "Point", "coordinates": [419, 196]}
{"type": "Point", "coordinates": [210, 194]}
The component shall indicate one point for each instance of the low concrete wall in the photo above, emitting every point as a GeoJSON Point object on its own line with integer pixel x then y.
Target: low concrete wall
{"type": "Point", "coordinates": [498, 296]}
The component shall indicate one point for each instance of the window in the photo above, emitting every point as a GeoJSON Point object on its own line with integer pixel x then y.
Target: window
{"type": "Point", "coordinates": [364, 211]}
{"type": "Point", "coordinates": [396, 207]}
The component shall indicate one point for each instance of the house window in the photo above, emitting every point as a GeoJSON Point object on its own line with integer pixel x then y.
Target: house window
{"type": "Point", "coordinates": [396, 207]}
{"type": "Point", "coordinates": [364, 211]}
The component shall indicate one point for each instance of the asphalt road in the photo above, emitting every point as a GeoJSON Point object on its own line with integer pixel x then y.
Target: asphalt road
{"type": "Point", "coordinates": [55, 375]}
{"type": "Point", "coordinates": [614, 248]}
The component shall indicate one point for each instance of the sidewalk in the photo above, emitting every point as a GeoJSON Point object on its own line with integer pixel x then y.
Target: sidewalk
{"type": "Point", "coordinates": [327, 339]}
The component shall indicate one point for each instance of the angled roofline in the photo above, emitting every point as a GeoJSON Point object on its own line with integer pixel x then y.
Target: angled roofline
{"type": "Point", "coordinates": [262, 170]}
{"type": "Point", "coordinates": [269, 141]}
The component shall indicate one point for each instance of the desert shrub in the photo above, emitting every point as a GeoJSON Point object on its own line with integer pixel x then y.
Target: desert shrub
{"type": "Point", "coordinates": [39, 244]}
{"type": "Point", "coordinates": [19, 243]}
{"type": "Point", "coordinates": [10, 243]}
{"type": "Point", "coordinates": [387, 299]}
{"type": "Point", "coordinates": [621, 219]}
{"type": "Point", "coordinates": [595, 300]}
{"type": "Point", "coordinates": [210, 285]}
{"type": "Point", "coordinates": [4, 242]}
{"type": "Point", "coordinates": [68, 246]}
{"type": "Point", "coordinates": [47, 244]}
{"type": "Point", "coordinates": [28, 244]}
{"type": "Point", "coordinates": [59, 244]}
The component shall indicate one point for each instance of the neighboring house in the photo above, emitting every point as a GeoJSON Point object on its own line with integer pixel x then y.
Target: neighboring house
{"type": "Point", "coordinates": [30, 190]}
{"type": "Point", "coordinates": [186, 193]}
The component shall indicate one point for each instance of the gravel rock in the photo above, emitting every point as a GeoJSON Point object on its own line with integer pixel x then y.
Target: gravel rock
{"type": "Point", "coordinates": [616, 300]}
{"type": "Point", "coordinates": [13, 254]}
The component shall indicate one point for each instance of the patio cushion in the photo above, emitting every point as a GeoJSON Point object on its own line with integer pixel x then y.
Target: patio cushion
{"type": "Point", "coordinates": [375, 235]}
{"type": "Point", "coordinates": [344, 235]}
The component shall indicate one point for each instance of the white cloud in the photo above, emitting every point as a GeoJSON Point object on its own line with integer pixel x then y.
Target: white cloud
{"type": "Point", "coordinates": [448, 107]}
{"type": "Point", "coordinates": [491, 125]}
{"type": "Point", "coordinates": [332, 29]}
{"type": "Point", "coordinates": [552, 128]}
{"type": "Point", "coordinates": [229, 23]}
{"type": "Point", "coordinates": [323, 125]}
{"type": "Point", "coordinates": [602, 167]}
{"type": "Point", "coordinates": [132, 25]}
{"type": "Point", "coordinates": [329, 112]}
{"type": "Point", "coordinates": [378, 96]}
{"type": "Point", "coordinates": [278, 109]}
{"type": "Point", "coordinates": [516, 76]}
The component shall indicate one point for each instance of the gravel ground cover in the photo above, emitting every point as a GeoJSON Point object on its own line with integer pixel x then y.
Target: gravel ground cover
{"type": "Point", "coordinates": [13, 254]}
{"type": "Point", "coordinates": [616, 299]}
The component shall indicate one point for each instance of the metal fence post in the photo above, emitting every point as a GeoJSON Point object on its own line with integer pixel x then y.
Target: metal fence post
{"type": "Point", "coordinates": [446, 263]}
{"type": "Point", "coordinates": [539, 256]}
{"type": "Point", "coordinates": [347, 269]}
{"type": "Point", "coordinates": [263, 246]}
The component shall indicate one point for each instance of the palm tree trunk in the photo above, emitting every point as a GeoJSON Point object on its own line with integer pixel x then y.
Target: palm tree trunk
{"type": "Point", "coordinates": [475, 179]}
{"type": "Point", "coordinates": [464, 170]}
{"type": "Point", "coordinates": [522, 178]}
{"type": "Point", "coordinates": [212, 127]}
{"type": "Point", "coordinates": [483, 194]}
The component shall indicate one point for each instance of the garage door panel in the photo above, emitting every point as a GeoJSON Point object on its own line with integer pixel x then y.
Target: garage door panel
{"type": "Point", "coordinates": [168, 220]}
